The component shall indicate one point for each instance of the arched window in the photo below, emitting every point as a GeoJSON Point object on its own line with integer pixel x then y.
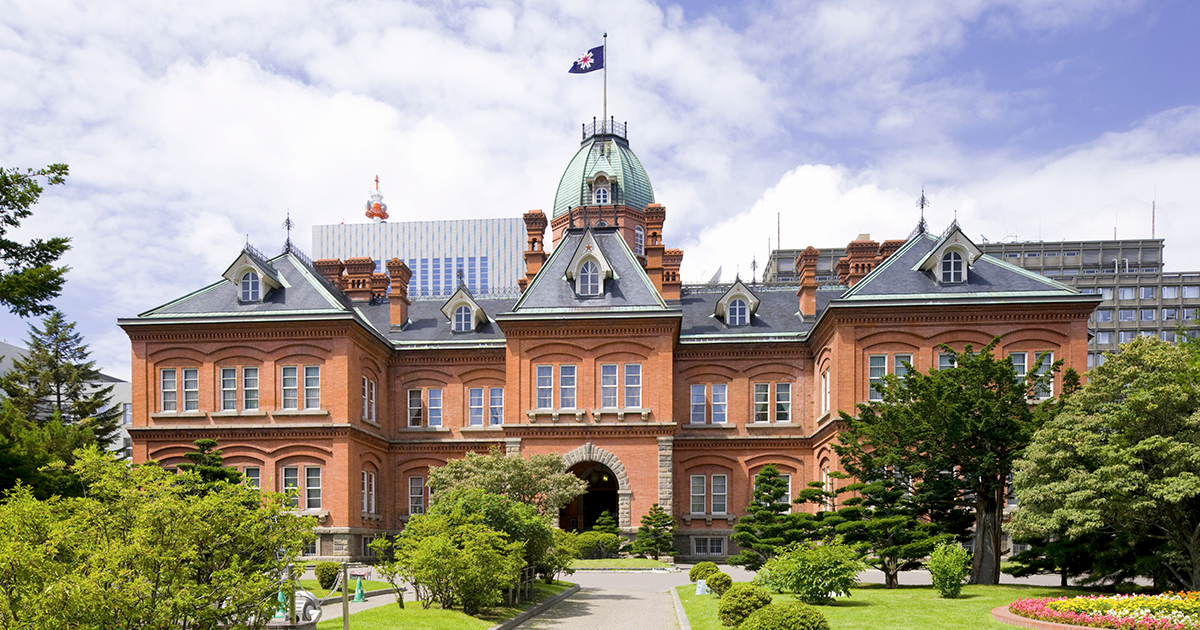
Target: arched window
{"type": "Point", "coordinates": [736, 314]}
{"type": "Point", "coordinates": [250, 287]}
{"type": "Point", "coordinates": [462, 319]}
{"type": "Point", "coordinates": [952, 267]}
{"type": "Point", "coordinates": [589, 279]}
{"type": "Point", "coordinates": [639, 241]}
{"type": "Point", "coordinates": [601, 196]}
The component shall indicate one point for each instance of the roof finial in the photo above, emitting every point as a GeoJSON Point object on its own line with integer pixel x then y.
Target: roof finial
{"type": "Point", "coordinates": [288, 224]}
{"type": "Point", "coordinates": [922, 203]}
{"type": "Point", "coordinates": [754, 269]}
{"type": "Point", "coordinates": [376, 181]}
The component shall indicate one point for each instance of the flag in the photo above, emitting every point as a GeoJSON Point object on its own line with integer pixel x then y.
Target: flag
{"type": "Point", "coordinates": [588, 61]}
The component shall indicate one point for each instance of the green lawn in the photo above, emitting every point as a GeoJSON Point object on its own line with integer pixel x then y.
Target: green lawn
{"type": "Point", "coordinates": [876, 608]}
{"type": "Point", "coordinates": [414, 617]}
{"type": "Point", "coordinates": [619, 563]}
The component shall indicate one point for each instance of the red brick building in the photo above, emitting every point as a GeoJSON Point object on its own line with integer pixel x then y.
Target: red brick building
{"type": "Point", "coordinates": [327, 378]}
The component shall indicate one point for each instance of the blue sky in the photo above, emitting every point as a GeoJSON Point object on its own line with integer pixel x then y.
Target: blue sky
{"type": "Point", "coordinates": [192, 128]}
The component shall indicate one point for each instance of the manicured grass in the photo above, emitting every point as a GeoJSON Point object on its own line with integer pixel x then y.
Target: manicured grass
{"type": "Point", "coordinates": [390, 616]}
{"type": "Point", "coordinates": [619, 563]}
{"type": "Point", "coordinates": [874, 607]}
{"type": "Point", "coordinates": [311, 585]}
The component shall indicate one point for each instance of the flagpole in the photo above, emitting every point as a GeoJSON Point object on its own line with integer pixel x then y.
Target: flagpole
{"type": "Point", "coordinates": [605, 45]}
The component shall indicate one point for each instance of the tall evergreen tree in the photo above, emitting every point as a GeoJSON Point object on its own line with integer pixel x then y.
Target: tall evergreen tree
{"type": "Point", "coordinates": [56, 378]}
{"type": "Point", "coordinates": [769, 525]}
{"type": "Point", "coordinates": [28, 279]}
{"type": "Point", "coordinates": [656, 536]}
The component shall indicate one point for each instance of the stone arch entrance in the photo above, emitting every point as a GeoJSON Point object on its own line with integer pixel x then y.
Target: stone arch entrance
{"type": "Point", "coordinates": [608, 488]}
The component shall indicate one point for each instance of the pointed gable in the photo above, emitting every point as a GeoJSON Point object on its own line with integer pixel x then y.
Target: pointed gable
{"type": "Point", "coordinates": [952, 241]}
{"type": "Point", "coordinates": [738, 316]}
{"type": "Point", "coordinates": [251, 260]}
{"type": "Point", "coordinates": [462, 299]}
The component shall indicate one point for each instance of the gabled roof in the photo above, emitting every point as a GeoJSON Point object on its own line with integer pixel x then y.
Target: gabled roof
{"type": "Point", "coordinates": [952, 238]}
{"type": "Point", "coordinates": [251, 260]}
{"type": "Point", "coordinates": [738, 289]}
{"type": "Point", "coordinates": [463, 297]}
{"type": "Point", "coordinates": [629, 289]}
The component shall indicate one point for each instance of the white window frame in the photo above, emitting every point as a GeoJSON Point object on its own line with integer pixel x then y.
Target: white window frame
{"type": "Point", "coordinates": [312, 387]}
{"type": "Point", "coordinates": [736, 313]}
{"type": "Point", "coordinates": [368, 492]}
{"type": "Point", "coordinates": [250, 388]}
{"type": "Point", "coordinates": [898, 362]}
{"type": "Point", "coordinates": [609, 391]}
{"type": "Point", "coordinates": [229, 388]}
{"type": "Point", "coordinates": [699, 403]}
{"type": "Point", "coordinates": [191, 389]}
{"type": "Point", "coordinates": [495, 406]}
{"type": "Point", "coordinates": [289, 381]}
{"type": "Point", "coordinates": [946, 361]}
{"type": "Point", "coordinates": [720, 403]}
{"type": "Point", "coordinates": [250, 287]}
{"type": "Point", "coordinates": [463, 318]}
{"type": "Point", "coordinates": [544, 386]}
{"type": "Point", "coordinates": [1042, 392]}
{"type": "Point", "coordinates": [876, 369]}
{"type": "Point", "coordinates": [252, 479]}
{"type": "Point", "coordinates": [433, 406]}
{"type": "Point", "coordinates": [289, 479]}
{"type": "Point", "coordinates": [699, 492]}
{"type": "Point", "coordinates": [589, 283]}
{"type": "Point", "coordinates": [762, 402]}
{"type": "Point", "coordinates": [168, 389]}
{"type": "Point", "coordinates": [953, 271]}
{"type": "Point", "coordinates": [783, 402]}
{"type": "Point", "coordinates": [633, 385]}
{"type": "Point", "coordinates": [567, 386]}
{"type": "Point", "coordinates": [719, 500]}
{"type": "Point", "coordinates": [639, 241]}
{"type": "Point", "coordinates": [416, 414]}
{"type": "Point", "coordinates": [312, 487]}
{"type": "Point", "coordinates": [475, 406]}
{"type": "Point", "coordinates": [600, 196]}
{"type": "Point", "coordinates": [416, 495]}
{"type": "Point", "coordinates": [825, 392]}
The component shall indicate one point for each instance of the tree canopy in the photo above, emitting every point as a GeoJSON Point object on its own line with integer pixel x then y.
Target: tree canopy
{"type": "Point", "coordinates": [769, 524]}
{"type": "Point", "coordinates": [28, 277]}
{"type": "Point", "coordinates": [955, 433]}
{"type": "Point", "coordinates": [539, 480]}
{"type": "Point", "coordinates": [1123, 458]}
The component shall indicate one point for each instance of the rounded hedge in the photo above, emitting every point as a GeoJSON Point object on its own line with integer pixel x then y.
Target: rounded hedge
{"type": "Point", "coordinates": [718, 583]}
{"type": "Point", "coordinates": [739, 601]}
{"type": "Point", "coordinates": [786, 616]}
{"type": "Point", "coordinates": [326, 573]}
{"type": "Point", "coordinates": [703, 570]}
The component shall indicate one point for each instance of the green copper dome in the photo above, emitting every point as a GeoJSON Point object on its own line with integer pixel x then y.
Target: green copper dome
{"type": "Point", "coordinates": [606, 153]}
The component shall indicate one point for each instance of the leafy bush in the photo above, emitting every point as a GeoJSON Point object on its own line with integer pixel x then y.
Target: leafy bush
{"type": "Point", "coordinates": [327, 572]}
{"type": "Point", "coordinates": [816, 573]}
{"type": "Point", "coordinates": [948, 565]}
{"type": "Point", "coordinates": [702, 570]}
{"type": "Point", "coordinates": [739, 601]}
{"type": "Point", "coordinates": [786, 616]}
{"type": "Point", "coordinates": [520, 521]}
{"type": "Point", "coordinates": [559, 556]}
{"type": "Point", "coordinates": [597, 545]}
{"type": "Point", "coordinates": [718, 583]}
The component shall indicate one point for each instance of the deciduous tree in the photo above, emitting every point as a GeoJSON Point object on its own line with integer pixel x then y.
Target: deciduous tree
{"type": "Point", "coordinates": [539, 480]}
{"type": "Point", "coordinates": [28, 277]}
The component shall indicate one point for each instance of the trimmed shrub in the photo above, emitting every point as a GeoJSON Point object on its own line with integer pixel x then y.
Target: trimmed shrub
{"type": "Point", "coordinates": [948, 565]}
{"type": "Point", "coordinates": [815, 573]}
{"type": "Point", "coordinates": [786, 616]}
{"type": "Point", "coordinates": [703, 570]}
{"type": "Point", "coordinates": [595, 545]}
{"type": "Point", "coordinates": [326, 573]}
{"type": "Point", "coordinates": [739, 601]}
{"type": "Point", "coordinates": [718, 583]}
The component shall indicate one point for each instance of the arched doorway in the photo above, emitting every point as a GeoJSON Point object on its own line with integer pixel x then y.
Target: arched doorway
{"type": "Point", "coordinates": [580, 515]}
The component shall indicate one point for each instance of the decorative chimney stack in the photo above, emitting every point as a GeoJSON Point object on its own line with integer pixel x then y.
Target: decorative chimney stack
{"type": "Point", "coordinates": [400, 274]}
{"type": "Point", "coordinates": [359, 277]}
{"type": "Point", "coordinates": [656, 215]}
{"type": "Point", "coordinates": [860, 259]}
{"type": "Point", "coordinates": [331, 269]}
{"type": "Point", "coordinates": [535, 252]}
{"type": "Point", "coordinates": [671, 284]}
{"type": "Point", "coordinates": [806, 270]}
{"type": "Point", "coordinates": [376, 209]}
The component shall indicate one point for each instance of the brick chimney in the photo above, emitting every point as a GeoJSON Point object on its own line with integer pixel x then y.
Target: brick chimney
{"type": "Point", "coordinates": [887, 249]}
{"type": "Point", "coordinates": [656, 215]}
{"type": "Point", "coordinates": [671, 284]}
{"type": "Point", "coordinates": [806, 270]}
{"type": "Point", "coordinates": [330, 269]}
{"type": "Point", "coordinates": [358, 278]}
{"type": "Point", "coordinates": [859, 261]}
{"type": "Point", "coordinates": [535, 248]}
{"type": "Point", "coordinates": [400, 274]}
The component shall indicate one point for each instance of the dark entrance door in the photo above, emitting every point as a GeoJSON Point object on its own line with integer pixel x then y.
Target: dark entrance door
{"type": "Point", "coordinates": [581, 514]}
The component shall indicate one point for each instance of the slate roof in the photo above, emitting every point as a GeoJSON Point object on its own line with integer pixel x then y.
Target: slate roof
{"type": "Point", "coordinates": [777, 316]}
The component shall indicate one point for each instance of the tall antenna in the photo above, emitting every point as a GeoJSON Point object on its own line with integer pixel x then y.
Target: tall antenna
{"type": "Point", "coordinates": [778, 235]}
{"type": "Point", "coordinates": [1153, 203]}
{"type": "Point", "coordinates": [605, 57]}
{"type": "Point", "coordinates": [288, 225]}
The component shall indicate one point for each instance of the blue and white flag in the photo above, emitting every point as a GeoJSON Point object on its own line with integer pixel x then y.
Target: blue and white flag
{"type": "Point", "coordinates": [589, 61]}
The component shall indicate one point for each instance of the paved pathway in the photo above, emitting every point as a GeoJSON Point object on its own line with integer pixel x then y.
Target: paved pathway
{"type": "Point", "coordinates": [607, 601]}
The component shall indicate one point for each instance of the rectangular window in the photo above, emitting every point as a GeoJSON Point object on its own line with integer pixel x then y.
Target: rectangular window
{"type": "Point", "coordinates": [371, 402]}
{"type": "Point", "coordinates": [415, 408]}
{"type": "Point", "coordinates": [191, 389]}
{"type": "Point", "coordinates": [368, 492]}
{"type": "Point", "coordinates": [783, 402]}
{"type": "Point", "coordinates": [1170, 293]}
{"type": "Point", "coordinates": [1012, 254]}
{"type": "Point", "coordinates": [291, 485]}
{"type": "Point", "coordinates": [1051, 254]}
{"type": "Point", "coordinates": [698, 494]}
{"type": "Point", "coordinates": [1032, 254]}
{"type": "Point", "coordinates": [229, 389]}
{"type": "Point", "coordinates": [310, 547]}
{"type": "Point", "coordinates": [545, 386]}
{"type": "Point", "coordinates": [1125, 293]}
{"type": "Point", "coordinates": [251, 477]}
{"type": "Point", "coordinates": [475, 406]}
{"type": "Point", "coordinates": [312, 387]}
{"type": "Point", "coordinates": [1168, 336]}
{"type": "Point", "coordinates": [1019, 365]}
{"type": "Point", "coordinates": [1191, 313]}
{"type": "Point", "coordinates": [435, 407]}
{"type": "Point", "coordinates": [250, 388]}
{"type": "Point", "coordinates": [364, 397]}
{"type": "Point", "coordinates": [718, 494]}
{"type": "Point", "coordinates": [945, 361]}
{"type": "Point", "coordinates": [876, 368]}
{"type": "Point", "coordinates": [168, 390]}
{"type": "Point", "coordinates": [126, 448]}
{"type": "Point", "coordinates": [787, 480]}
{"type": "Point", "coordinates": [701, 545]}
{"type": "Point", "coordinates": [127, 414]}
{"type": "Point", "coordinates": [825, 398]}
{"type": "Point", "coordinates": [416, 496]}
{"type": "Point", "coordinates": [633, 385]}
{"type": "Point", "coordinates": [762, 402]}
{"type": "Point", "coordinates": [718, 402]}
{"type": "Point", "coordinates": [1146, 293]}
{"type": "Point", "coordinates": [289, 384]}
{"type": "Point", "coordinates": [1103, 338]}
{"type": "Point", "coordinates": [1125, 315]}
{"type": "Point", "coordinates": [608, 385]}
{"type": "Point", "coordinates": [1147, 314]}
{"type": "Point", "coordinates": [566, 386]}
{"type": "Point", "coordinates": [496, 406]}
{"type": "Point", "coordinates": [699, 404]}
{"type": "Point", "coordinates": [1044, 390]}
{"type": "Point", "coordinates": [312, 488]}
{"type": "Point", "coordinates": [1125, 336]}
{"type": "Point", "coordinates": [1070, 253]}
{"type": "Point", "coordinates": [900, 364]}
{"type": "Point", "coordinates": [1104, 315]}
{"type": "Point", "coordinates": [716, 546]}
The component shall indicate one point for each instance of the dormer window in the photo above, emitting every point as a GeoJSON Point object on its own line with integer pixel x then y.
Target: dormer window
{"type": "Point", "coordinates": [250, 290]}
{"type": "Point", "coordinates": [736, 314]}
{"type": "Point", "coordinates": [589, 279]}
{"type": "Point", "coordinates": [639, 241]}
{"type": "Point", "coordinates": [464, 319]}
{"type": "Point", "coordinates": [952, 267]}
{"type": "Point", "coordinates": [601, 196]}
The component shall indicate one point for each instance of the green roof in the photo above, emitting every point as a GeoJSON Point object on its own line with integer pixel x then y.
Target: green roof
{"type": "Point", "coordinates": [608, 153]}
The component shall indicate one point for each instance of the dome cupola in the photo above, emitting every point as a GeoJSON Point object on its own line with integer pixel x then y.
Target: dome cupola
{"type": "Point", "coordinates": [604, 172]}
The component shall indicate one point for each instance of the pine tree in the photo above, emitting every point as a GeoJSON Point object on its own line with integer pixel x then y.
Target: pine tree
{"type": "Point", "coordinates": [656, 536]}
{"type": "Point", "coordinates": [209, 464]}
{"type": "Point", "coordinates": [768, 526]}
{"type": "Point", "coordinates": [606, 524]}
{"type": "Point", "coordinates": [55, 377]}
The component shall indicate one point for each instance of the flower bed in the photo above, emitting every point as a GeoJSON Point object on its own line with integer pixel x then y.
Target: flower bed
{"type": "Point", "coordinates": [1169, 611]}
